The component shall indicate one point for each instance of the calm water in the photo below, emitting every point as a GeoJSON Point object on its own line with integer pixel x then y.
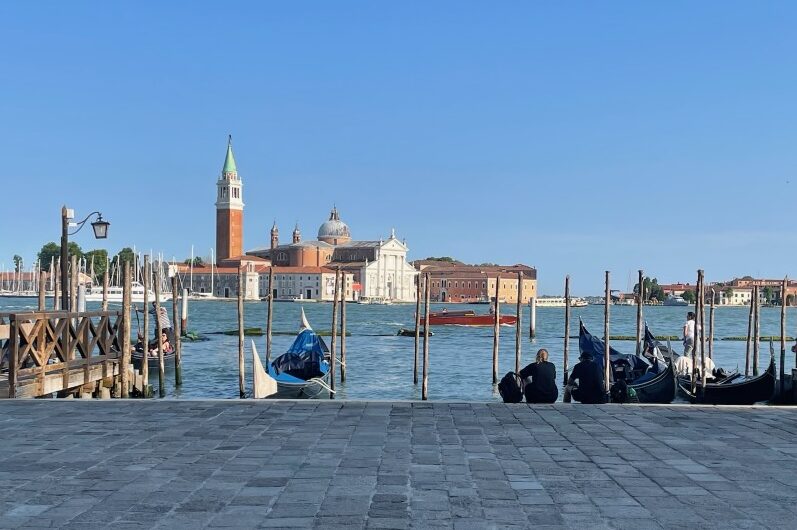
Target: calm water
{"type": "Point", "coordinates": [380, 363]}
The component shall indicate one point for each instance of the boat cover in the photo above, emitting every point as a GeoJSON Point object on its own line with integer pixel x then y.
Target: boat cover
{"type": "Point", "coordinates": [589, 343]}
{"type": "Point", "coordinates": [304, 359]}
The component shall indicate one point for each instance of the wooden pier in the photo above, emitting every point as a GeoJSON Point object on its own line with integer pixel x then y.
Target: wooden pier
{"type": "Point", "coordinates": [63, 353]}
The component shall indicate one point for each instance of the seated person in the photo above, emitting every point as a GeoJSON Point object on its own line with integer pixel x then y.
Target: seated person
{"type": "Point", "coordinates": [586, 381]}
{"type": "Point", "coordinates": [540, 380]}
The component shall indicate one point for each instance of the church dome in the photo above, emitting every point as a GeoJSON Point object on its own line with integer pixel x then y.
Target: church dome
{"type": "Point", "coordinates": [334, 230]}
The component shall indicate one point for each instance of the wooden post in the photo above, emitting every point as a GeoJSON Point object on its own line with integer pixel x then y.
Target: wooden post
{"type": "Point", "coordinates": [178, 341]}
{"type": "Point", "coordinates": [56, 286]}
{"type": "Point", "coordinates": [269, 314]}
{"type": "Point", "coordinates": [342, 326]}
{"type": "Point", "coordinates": [532, 316]}
{"type": "Point", "coordinates": [417, 328]}
{"type": "Point", "coordinates": [426, 297]}
{"type": "Point", "coordinates": [105, 290]}
{"type": "Point", "coordinates": [757, 331]}
{"type": "Point", "coordinates": [695, 337]}
{"type": "Point", "coordinates": [42, 286]}
{"type": "Point", "coordinates": [519, 310]}
{"type": "Point", "coordinates": [127, 323]}
{"type": "Point", "coordinates": [640, 301]}
{"type": "Point", "coordinates": [241, 366]}
{"type": "Point", "coordinates": [13, 355]}
{"type": "Point", "coordinates": [567, 329]}
{"type": "Point", "coordinates": [74, 280]}
{"type": "Point", "coordinates": [496, 328]}
{"type": "Point", "coordinates": [145, 340]}
{"type": "Point", "coordinates": [184, 316]}
{"type": "Point", "coordinates": [606, 360]}
{"type": "Point", "coordinates": [749, 337]}
{"type": "Point", "coordinates": [711, 326]}
{"type": "Point", "coordinates": [332, 355]}
{"type": "Point", "coordinates": [702, 331]}
{"type": "Point", "coordinates": [158, 332]}
{"type": "Point", "coordinates": [783, 339]}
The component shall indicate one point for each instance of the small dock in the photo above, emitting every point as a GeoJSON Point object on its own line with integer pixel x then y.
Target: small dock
{"type": "Point", "coordinates": [340, 464]}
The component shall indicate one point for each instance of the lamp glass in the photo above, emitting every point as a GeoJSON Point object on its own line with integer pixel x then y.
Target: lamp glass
{"type": "Point", "coordinates": [100, 228]}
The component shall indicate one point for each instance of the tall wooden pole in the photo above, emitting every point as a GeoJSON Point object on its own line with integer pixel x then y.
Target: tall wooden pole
{"type": "Point", "coordinates": [695, 336]}
{"type": "Point", "coordinates": [519, 311]}
{"type": "Point", "coordinates": [178, 341]}
{"type": "Point", "coordinates": [496, 328]}
{"type": "Point", "coordinates": [332, 355]}
{"type": "Point", "coordinates": [241, 365]}
{"type": "Point", "coordinates": [417, 329]}
{"type": "Point", "coordinates": [711, 326]}
{"type": "Point", "coordinates": [74, 280]}
{"type": "Point", "coordinates": [426, 297]}
{"type": "Point", "coordinates": [702, 331]}
{"type": "Point", "coordinates": [640, 301]}
{"type": "Point", "coordinates": [57, 287]}
{"type": "Point", "coordinates": [565, 367]}
{"type": "Point", "coordinates": [342, 327]}
{"type": "Point", "coordinates": [184, 312]}
{"type": "Point", "coordinates": [606, 357]}
{"type": "Point", "coordinates": [42, 287]}
{"type": "Point", "coordinates": [126, 295]}
{"type": "Point", "coordinates": [783, 338]}
{"type": "Point", "coordinates": [158, 332]}
{"type": "Point", "coordinates": [105, 290]}
{"type": "Point", "coordinates": [748, 351]}
{"type": "Point", "coordinates": [145, 340]}
{"type": "Point", "coordinates": [270, 314]}
{"type": "Point", "coordinates": [532, 316]}
{"type": "Point", "coordinates": [757, 330]}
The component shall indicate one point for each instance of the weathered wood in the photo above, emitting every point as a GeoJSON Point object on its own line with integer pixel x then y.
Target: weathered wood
{"type": "Point", "coordinates": [711, 326]}
{"type": "Point", "coordinates": [640, 300]}
{"type": "Point", "coordinates": [757, 333]}
{"type": "Point", "coordinates": [334, 339]}
{"type": "Point", "coordinates": [105, 290]}
{"type": "Point", "coordinates": [343, 328]}
{"type": "Point", "coordinates": [270, 314]}
{"type": "Point", "coordinates": [13, 356]}
{"type": "Point", "coordinates": [73, 281]}
{"type": "Point", "coordinates": [425, 376]}
{"type": "Point", "coordinates": [127, 324]}
{"type": "Point", "coordinates": [782, 395]}
{"type": "Point", "coordinates": [42, 287]}
{"type": "Point", "coordinates": [158, 333]}
{"type": "Point", "coordinates": [178, 341]}
{"type": "Point", "coordinates": [747, 354]}
{"type": "Point", "coordinates": [519, 312]}
{"type": "Point", "coordinates": [241, 365]}
{"type": "Point", "coordinates": [496, 328]}
{"type": "Point", "coordinates": [184, 313]}
{"type": "Point", "coordinates": [533, 316]}
{"type": "Point", "coordinates": [566, 352]}
{"type": "Point", "coordinates": [693, 378]}
{"type": "Point", "coordinates": [417, 328]}
{"type": "Point", "coordinates": [57, 287]}
{"type": "Point", "coordinates": [145, 340]}
{"type": "Point", "coordinates": [606, 357]}
{"type": "Point", "coordinates": [702, 330]}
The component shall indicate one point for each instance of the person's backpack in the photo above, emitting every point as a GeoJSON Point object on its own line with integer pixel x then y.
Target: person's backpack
{"type": "Point", "coordinates": [509, 388]}
{"type": "Point", "coordinates": [619, 392]}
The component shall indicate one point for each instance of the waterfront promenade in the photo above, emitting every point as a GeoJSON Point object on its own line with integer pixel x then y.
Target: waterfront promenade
{"type": "Point", "coordinates": [341, 464]}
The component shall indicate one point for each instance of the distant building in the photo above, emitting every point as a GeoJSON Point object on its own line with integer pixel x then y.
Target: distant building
{"type": "Point", "coordinates": [457, 282]}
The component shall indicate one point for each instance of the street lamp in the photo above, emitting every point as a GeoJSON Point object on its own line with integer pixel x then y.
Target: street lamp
{"type": "Point", "coordinates": [100, 227]}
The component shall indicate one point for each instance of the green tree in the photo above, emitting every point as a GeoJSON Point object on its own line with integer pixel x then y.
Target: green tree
{"type": "Point", "coordinates": [126, 256]}
{"type": "Point", "coordinates": [17, 262]}
{"type": "Point", "coordinates": [100, 259]}
{"type": "Point", "coordinates": [767, 292]}
{"type": "Point", "coordinates": [652, 289]}
{"type": "Point", "coordinates": [728, 292]}
{"type": "Point", "coordinates": [198, 261]}
{"type": "Point", "coordinates": [447, 259]}
{"type": "Point", "coordinates": [52, 250]}
{"type": "Point", "coordinates": [689, 296]}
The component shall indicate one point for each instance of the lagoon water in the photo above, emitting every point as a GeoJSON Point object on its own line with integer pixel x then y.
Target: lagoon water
{"type": "Point", "coordinates": [379, 363]}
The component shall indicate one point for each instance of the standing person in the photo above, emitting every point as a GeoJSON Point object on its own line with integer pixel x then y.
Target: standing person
{"type": "Point", "coordinates": [586, 381]}
{"type": "Point", "coordinates": [689, 333]}
{"type": "Point", "coordinates": [542, 386]}
{"type": "Point", "coordinates": [163, 318]}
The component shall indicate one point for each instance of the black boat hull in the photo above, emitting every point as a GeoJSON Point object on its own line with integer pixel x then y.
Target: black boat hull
{"type": "Point", "coordinates": [660, 389]}
{"type": "Point", "coordinates": [748, 392]}
{"type": "Point", "coordinates": [152, 362]}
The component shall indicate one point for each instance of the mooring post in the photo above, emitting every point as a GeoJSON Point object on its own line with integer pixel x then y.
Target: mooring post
{"type": "Point", "coordinates": [702, 331]}
{"type": "Point", "coordinates": [747, 355]}
{"type": "Point", "coordinates": [567, 329]}
{"type": "Point", "coordinates": [332, 354]}
{"type": "Point", "coordinates": [127, 323]}
{"type": "Point", "coordinates": [757, 336]}
{"type": "Point", "coordinates": [342, 326]}
{"type": "Point", "coordinates": [241, 366]}
{"type": "Point", "coordinates": [42, 287]}
{"type": "Point", "coordinates": [417, 328]}
{"type": "Point", "coordinates": [178, 341]}
{"type": "Point", "coordinates": [606, 362]}
{"type": "Point", "coordinates": [145, 340]}
{"type": "Point", "coordinates": [533, 316]}
{"type": "Point", "coordinates": [640, 300]}
{"type": "Point", "coordinates": [105, 290]}
{"type": "Point", "coordinates": [783, 340]}
{"type": "Point", "coordinates": [269, 314]}
{"type": "Point", "coordinates": [693, 379]}
{"type": "Point", "coordinates": [56, 287]}
{"type": "Point", "coordinates": [426, 296]}
{"type": "Point", "coordinates": [496, 328]}
{"type": "Point", "coordinates": [158, 333]}
{"type": "Point", "coordinates": [519, 310]}
{"type": "Point", "coordinates": [184, 311]}
{"type": "Point", "coordinates": [711, 325]}
{"type": "Point", "coordinates": [73, 283]}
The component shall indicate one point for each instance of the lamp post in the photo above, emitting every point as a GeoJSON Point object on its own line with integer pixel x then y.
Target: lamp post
{"type": "Point", "coordinates": [100, 227]}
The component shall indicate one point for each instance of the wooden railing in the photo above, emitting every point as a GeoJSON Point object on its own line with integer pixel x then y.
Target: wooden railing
{"type": "Point", "coordinates": [51, 351]}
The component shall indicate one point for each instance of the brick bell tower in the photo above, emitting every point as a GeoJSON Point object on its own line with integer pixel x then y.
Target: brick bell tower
{"type": "Point", "coordinates": [229, 210]}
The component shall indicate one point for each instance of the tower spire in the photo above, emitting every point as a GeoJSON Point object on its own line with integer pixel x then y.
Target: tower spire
{"type": "Point", "coordinates": [229, 160]}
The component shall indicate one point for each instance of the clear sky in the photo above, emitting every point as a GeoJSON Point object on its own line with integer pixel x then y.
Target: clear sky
{"type": "Point", "coordinates": [576, 137]}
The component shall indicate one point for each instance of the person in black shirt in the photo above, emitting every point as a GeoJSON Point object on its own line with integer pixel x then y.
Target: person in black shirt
{"type": "Point", "coordinates": [540, 380]}
{"type": "Point", "coordinates": [590, 381]}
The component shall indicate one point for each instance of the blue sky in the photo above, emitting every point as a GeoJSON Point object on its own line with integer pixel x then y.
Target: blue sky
{"type": "Point", "coordinates": [576, 137]}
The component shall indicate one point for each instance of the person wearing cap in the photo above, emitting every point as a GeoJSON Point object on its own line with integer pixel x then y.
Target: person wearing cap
{"type": "Point", "coordinates": [585, 383]}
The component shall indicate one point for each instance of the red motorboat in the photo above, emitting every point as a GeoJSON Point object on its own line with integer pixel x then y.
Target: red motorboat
{"type": "Point", "coordinates": [467, 318]}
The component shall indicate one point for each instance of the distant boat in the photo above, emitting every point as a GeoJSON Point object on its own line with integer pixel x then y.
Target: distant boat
{"type": "Point", "coordinates": [559, 301]}
{"type": "Point", "coordinates": [675, 300]}
{"type": "Point", "coordinates": [405, 332]}
{"type": "Point", "coordinates": [467, 318]}
{"type": "Point", "coordinates": [115, 294]}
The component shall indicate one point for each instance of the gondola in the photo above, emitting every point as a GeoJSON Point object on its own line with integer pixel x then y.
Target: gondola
{"type": "Point", "coordinates": [152, 361]}
{"type": "Point", "coordinates": [405, 332]}
{"type": "Point", "coordinates": [652, 378]}
{"type": "Point", "coordinates": [734, 390]}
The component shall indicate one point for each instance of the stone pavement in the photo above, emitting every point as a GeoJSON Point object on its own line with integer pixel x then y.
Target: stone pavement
{"type": "Point", "coordinates": [322, 464]}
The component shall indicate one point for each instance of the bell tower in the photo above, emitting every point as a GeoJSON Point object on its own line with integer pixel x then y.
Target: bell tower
{"type": "Point", "coordinates": [275, 236]}
{"type": "Point", "coordinates": [297, 235]}
{"type": "Point", "coordinates": [229, 210]}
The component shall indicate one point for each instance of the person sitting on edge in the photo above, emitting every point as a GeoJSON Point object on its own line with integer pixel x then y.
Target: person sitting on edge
{"type": "Point", "coordinates": [590, 381]}
{"type": "Point", "coordinates": [541, 388]}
